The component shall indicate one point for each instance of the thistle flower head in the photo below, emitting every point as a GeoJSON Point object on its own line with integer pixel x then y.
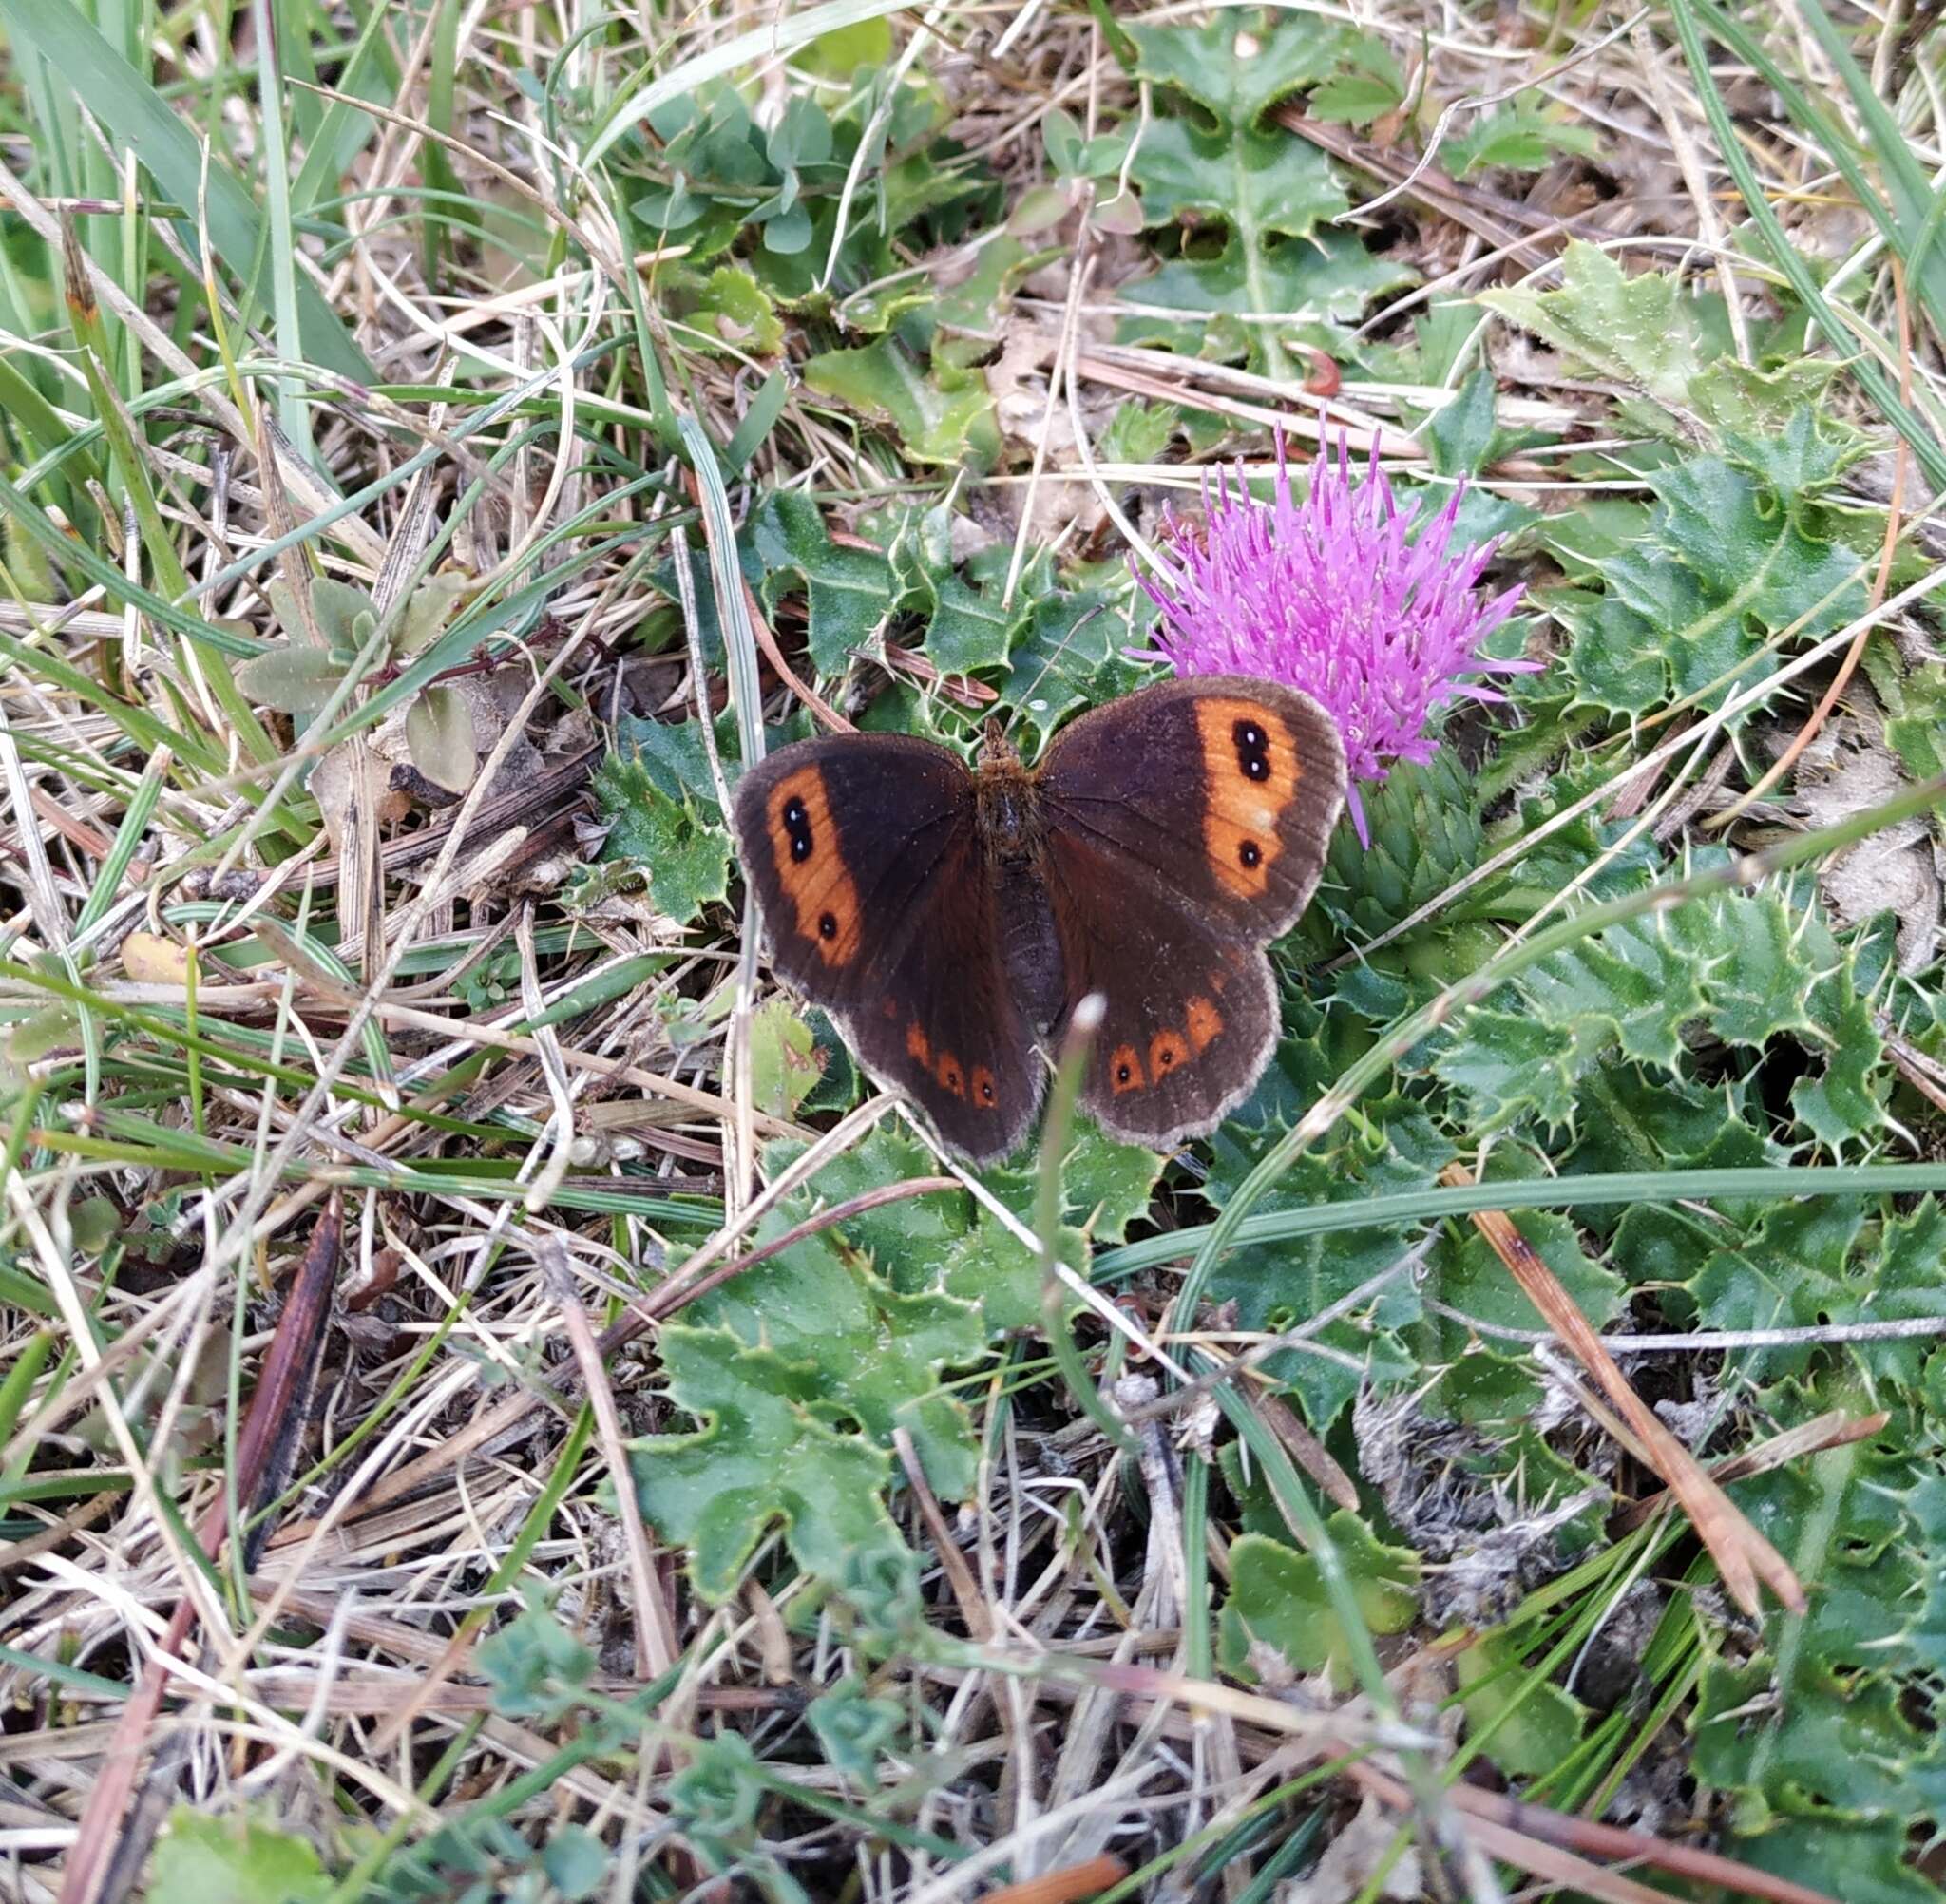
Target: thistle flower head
{"type": "Point", "coordinates": [1333, 596]}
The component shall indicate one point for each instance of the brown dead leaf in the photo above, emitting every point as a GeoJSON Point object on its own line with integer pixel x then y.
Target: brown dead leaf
{"type": "Point", "coordinates": [1848, 769]}
{"type": "Point", "coordinates": [1351, 1860]}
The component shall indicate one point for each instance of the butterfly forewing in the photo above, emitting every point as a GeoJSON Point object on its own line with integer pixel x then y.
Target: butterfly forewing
{"type": "Point", "coordinates": [1218, 793]}
{"type": "Point", "coordinates": [864, 854]}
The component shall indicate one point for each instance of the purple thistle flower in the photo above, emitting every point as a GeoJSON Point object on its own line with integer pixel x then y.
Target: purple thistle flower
{"type": "Point", "coordinates": [1332, 596]}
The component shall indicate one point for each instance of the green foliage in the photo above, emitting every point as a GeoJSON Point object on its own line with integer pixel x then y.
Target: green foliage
{"type": "Point", "coordinates": [1693, 609]}
{"type": "Point", "coordinates": [762, 1459]}
{"type": "Point", "coordinates": [834, 288]}
{"type": "Point", "coordinates": [1744, 965]}
{"type": "Point", "coordinates": [942, 413]}
{"type": "Point", "coordinates": [538, 1669]}
{"type": "Point", "coordinates": [1665, 341]}
{"type": "Point", "coordinates": [1821, 1724]}
{"type": "Point", "coordinates": [1277, 1599]}
{"type": "Point", "coordinates": [802, 1367]}
{"type": "Point", "coordinates": [202, 1859]}
{"type": "Point", "coordinates": [1251, 199]}
{"type": "Point", "coordinates": [1535, 1725]}
{"type": "Point", "coordinates": [1520, 137]}
{"type": "Point", "coordinates": [1276, 1287]}
{"type": "Point", "coordinates": [683, 855]}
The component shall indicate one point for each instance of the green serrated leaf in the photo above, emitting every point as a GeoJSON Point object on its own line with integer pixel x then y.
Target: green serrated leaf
{"type": "Point", "coordinates": [943, 414]}
{"type": "Point", "coordinates": [1742, 964]}
{"type": "Point", "coordinates": [1368, 84]}
{"type": "Point", "coordinates": [1470, 1277]}
{"type": "Point", "coordinates": [1238, 66]}
{"type": "Point", "coordinates": [1521, 137]}
{"type": "Point", "coordinates": [1642, 330]}
{"type": "Point", "coordinates": [732, 308]}
{"type": "Point", "coordinates": [1072, 654]}
{"type": "Point", "coordinates": [675, 758]}
{"type": "Point", "coordinates": [1726, 562]}
{"type": "Point", "coordinates": [850, 589]}
{"type": "Point", "coordinates": [683, 856]}
{"type": "Point", "coordinates": [1325, 279]}
{"type": "Point", "coordinates": [761, 1459]}
{"type": "Point", "coordinates": [816, 1335]}
{"type": "Point", "coordinates": [1267, 183]}
{"type": "Point", "coordinates": [1821, 1728]}
{"type": "Point", "coordinates": [1512, 1066]}
{"type": "Point", "coordinates": [1277, 1600]}
{"type": "Point", "coordinates": [1276, 1287]}
{"type": "Point", "coordinates": [970, 630]}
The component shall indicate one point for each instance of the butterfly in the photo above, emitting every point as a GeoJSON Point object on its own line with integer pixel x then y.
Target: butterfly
{"type": "Point", "coordinates": [949, 918]}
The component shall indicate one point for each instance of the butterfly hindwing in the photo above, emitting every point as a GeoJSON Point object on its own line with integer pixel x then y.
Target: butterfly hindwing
{"type": "Point", "coordinates": [1218, 793]}
{"type": "Point", "coordinates": [864, 854]}
{"type": "Point", "coordinates": [1191, 1014]}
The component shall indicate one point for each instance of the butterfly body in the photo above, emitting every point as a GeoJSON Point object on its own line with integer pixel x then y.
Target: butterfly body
{"type": "Point", "coordinates": [950, 919]}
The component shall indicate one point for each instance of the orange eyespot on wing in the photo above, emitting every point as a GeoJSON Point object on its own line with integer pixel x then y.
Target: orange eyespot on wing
{"type": "Point", "coordinates": [1214, 795]}
{"type": "Point", "coordinates": [810, 861]}
{"type": "Point", "coordinates": [1166, 1049]}
{"type": "Point", "coordinates": [1251, 774]}
{"type": "Point", "coordinates": [1125, 1070]}
{"type": "Point", "coordinates": [1204, 1023]}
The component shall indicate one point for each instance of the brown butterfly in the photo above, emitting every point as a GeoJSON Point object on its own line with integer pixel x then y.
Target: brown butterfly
{"type": "Point", "coordinates": [950, 920]}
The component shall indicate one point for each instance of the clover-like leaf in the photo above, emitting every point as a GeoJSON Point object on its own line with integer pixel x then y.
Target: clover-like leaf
{"type": "Point", "coordinates": [291, 677]}
{"type": "Point", "coordinates": [439, 733]}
